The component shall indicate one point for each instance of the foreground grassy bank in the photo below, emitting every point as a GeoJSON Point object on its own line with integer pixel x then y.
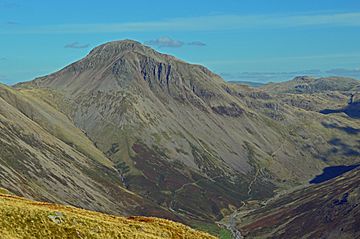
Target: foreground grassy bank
{"type": "Point", "coordinates": [22, 218]}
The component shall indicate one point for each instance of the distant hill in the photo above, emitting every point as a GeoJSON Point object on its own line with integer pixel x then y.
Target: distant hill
{"type": "Point", "coordinates": [248, 83]}
{"type": "Point", "coordinates": [305, 84]}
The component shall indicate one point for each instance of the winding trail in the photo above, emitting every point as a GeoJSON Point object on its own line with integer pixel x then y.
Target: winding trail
{"type": "Point", "coordinates": [259, 170]}
{"type": "Point", "coordinates": [172, 203]}
{"type": "Point", "coordinates": [253, 181]}
{"type": "Point", "coordinates": [230, 222]}
{"type": "Point", "coordinates": [278, 149]}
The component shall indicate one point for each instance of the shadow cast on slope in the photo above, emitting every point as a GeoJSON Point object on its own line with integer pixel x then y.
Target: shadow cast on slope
{"type": "Point", "coordinates": [342, 148]}
{"type": "Point", "coordinates": [351, 110]}
{"type": "Point", "coordinates": [346, 129]}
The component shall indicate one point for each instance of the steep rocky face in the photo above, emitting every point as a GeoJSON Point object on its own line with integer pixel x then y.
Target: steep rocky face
{"type": "Point", "coordinates": [186, 140]}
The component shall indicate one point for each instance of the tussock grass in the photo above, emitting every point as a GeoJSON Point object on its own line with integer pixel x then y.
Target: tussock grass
{"type": "Point", "coordinates": [22, 218]}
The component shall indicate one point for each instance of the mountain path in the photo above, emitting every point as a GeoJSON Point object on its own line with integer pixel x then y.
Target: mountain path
{"type": "Point", "coordinates": [253, 181]}
{"type": "Point", "coordinates": [187, 184]}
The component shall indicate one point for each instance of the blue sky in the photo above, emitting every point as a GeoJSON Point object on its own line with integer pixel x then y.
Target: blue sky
{"type": "Point", "coordinates": [258, 40]}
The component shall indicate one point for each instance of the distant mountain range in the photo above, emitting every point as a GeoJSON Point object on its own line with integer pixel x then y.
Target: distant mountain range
{"type": "Point", "coordinates": [266, 77]}
{"type": "Point", "coordinates": [305, 84]}
{"type": "Point", "coordinates": [130, 131]}
{"type": "Point", "coordinates": [248, 83]}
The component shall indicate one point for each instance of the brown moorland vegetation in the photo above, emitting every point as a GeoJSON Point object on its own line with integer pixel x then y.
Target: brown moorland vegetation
{"type": "Point", "coordinates": [22, 218]}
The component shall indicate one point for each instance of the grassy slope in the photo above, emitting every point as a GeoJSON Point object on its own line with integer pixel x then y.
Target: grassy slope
{"type": "Point", "coordinates": [38, 162]}
{"type": "Point", "coordinates": [30, 104]}
{"type": "Point", "coordinates": [22, 218]}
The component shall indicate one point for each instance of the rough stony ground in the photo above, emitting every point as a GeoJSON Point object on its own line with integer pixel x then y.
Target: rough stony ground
{"type": "Point", "coordinates": [22, 218]}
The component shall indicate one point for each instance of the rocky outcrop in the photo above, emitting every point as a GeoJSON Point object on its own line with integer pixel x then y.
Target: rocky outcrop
{"type": "Point", "coordinates": [354, 98]}
{"type": "Point", "coordinates": [232, 110]}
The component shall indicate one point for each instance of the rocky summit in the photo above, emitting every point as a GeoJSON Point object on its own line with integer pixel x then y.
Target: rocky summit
{"type": "Point", "coordinates": [131, 131]}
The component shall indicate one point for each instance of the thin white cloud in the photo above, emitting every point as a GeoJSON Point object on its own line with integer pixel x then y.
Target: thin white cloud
{"type": "Point", "coordinates": [165, 42]}
{"type": "Point", "coordinates": [202, 23]}
{"type": "Point", "coordinates": [7, 4]}
{"type": "Point", "coordinates": [196, 43]}
{"type": "Point", "coordinates": [76, 45]}
{"type": "Point", "coordinates": [12, 23]}
{"type": "Point", "coordinates": [345, 72]}
{"type": "Point", "coordinates": [285, 58]}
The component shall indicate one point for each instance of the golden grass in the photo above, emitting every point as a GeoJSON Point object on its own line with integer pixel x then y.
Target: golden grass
{"type": "Point", "coordinates": [22, 218]}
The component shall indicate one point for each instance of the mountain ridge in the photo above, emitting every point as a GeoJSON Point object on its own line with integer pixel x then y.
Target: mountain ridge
{"type": "Point", "coordinates": [307, 84]}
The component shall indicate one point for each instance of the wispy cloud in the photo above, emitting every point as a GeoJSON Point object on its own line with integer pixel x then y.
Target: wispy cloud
{"type": "Point", "coordinates": [204, 23]}
{"type": "Point", "coordinates": [345, 72]}
{"type": "Point", "coordinates": [12, 23]}
{"type": "Point", "coordinates": [165, 42]}
{"type": "Point", "coordinates": [353, 55]}
{"type": "Point", "coordinates": [3, 77]}
{"type": "Point", "coordinates": [76, 45]}
{"type": "Point", "coordinates": [196, 43]}
{"type": "Point", "coordinates": [172, 43]}
{"type": "Point", "coordinates": [8, 4]}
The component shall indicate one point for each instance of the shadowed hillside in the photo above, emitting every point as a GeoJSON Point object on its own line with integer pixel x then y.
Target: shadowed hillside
{"type": "Point", "coordinates": [328, 210]}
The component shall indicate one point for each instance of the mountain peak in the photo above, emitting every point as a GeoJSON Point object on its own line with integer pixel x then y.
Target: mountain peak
{"type": "Point", "coordinates": [304, 79]}
{"type": "Point", "coordinates": [116, 47]}
{"type": "Point", "coordinates": [118, 64]}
